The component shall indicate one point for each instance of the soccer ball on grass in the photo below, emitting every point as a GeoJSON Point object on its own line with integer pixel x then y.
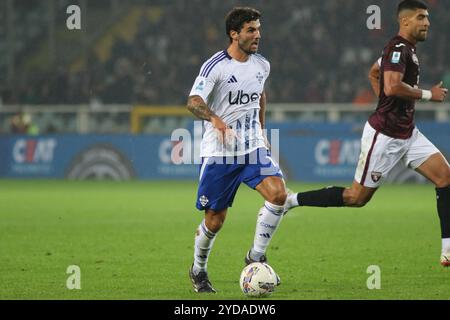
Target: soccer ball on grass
{"type": "Point", "coordinates": [258, 280]}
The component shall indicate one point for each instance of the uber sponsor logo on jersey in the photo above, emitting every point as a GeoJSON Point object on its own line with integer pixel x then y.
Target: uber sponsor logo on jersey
{"type": "Point", "coordinates": [242, 98]}
{"type": "Point", "coordinates": [395, 57]}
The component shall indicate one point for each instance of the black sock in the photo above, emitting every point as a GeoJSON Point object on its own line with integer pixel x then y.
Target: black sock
{"type": "Point", "coordinates": [443, 207]}
{"type": "Point", "coordinates": [326, 197]}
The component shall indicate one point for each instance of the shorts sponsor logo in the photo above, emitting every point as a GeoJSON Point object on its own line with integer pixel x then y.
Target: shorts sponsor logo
{"type": "Point", "coordinates": [376, 176]}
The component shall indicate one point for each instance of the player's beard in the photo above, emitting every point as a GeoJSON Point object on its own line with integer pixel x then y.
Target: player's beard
{"type": "Point", "coordinates": [247, 50]}
{"type": "Point", "coordinates": [421, 36]}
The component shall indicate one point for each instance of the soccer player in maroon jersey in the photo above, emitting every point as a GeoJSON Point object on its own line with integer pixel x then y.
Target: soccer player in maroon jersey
{"type": "Point", "coordinates": [390, 134]}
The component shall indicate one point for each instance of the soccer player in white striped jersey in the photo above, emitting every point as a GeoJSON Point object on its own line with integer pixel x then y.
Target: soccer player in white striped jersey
{"type": "Point", "coordinates": [228, 95]}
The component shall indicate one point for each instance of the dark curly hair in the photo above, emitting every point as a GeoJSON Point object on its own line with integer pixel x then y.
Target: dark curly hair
{"type": "Point", "coordinates": [236, 18]}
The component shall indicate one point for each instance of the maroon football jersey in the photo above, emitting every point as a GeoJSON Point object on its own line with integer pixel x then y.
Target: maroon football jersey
{"type": "Point", "coordinates": [394, 116]}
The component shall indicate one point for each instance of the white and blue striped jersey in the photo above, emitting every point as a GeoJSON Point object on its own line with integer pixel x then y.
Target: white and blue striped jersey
{"type": "Point", "coordinates": [232, 90]}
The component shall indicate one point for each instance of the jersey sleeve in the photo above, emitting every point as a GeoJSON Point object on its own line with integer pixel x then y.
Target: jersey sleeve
{"type": "Point", "coordinates": [204, 83]}
{"type": "Point", "coordinates": [396, 59]}
{"type": "Point", "coordinates": [266, 71]}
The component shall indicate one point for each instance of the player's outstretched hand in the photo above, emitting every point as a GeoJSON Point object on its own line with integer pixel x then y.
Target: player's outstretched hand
{"type": "Point", "coordinates": [438, 93]}
{"type": "Point", "coordinates": [225, 133]}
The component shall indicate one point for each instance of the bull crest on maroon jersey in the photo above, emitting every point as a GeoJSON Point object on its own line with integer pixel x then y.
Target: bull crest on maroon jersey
{"type": "Point", "coordinates": [376, 176]}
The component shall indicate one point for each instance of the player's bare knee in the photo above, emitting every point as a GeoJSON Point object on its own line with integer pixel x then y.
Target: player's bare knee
{"type": "Point", "coordinates": [278, 198]}
{"type": "Point", "coordinates": [214, 222]}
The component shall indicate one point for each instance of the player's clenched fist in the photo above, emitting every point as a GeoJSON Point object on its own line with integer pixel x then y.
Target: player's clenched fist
{"type": "Point", "coordinates": [438, 93]}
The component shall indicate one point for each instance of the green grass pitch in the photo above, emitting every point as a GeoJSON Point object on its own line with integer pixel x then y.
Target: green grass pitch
{"type": "Point", "coordinates": [134, 240]}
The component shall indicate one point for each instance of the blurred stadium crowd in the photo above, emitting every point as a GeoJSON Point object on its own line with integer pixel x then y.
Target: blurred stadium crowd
{"type": "Point", "coordinates": [320, 51]}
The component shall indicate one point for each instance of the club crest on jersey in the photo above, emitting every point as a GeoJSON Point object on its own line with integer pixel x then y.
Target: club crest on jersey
{"type": "Point", "coordinates": [259, 77]}
{"type": "Point", "coordinates": [395, 57]}
{"type": "Point", "coordinates": [203, 200]}
{"type": "Point", "coordinates": [376, 176]}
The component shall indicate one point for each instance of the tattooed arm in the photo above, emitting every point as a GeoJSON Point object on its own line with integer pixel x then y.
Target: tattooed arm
{"type": "Point", "coordinates": [198, 107]}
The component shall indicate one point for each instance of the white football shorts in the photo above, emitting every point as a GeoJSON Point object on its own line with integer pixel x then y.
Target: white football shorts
{"type": "Point", "coordinates": [380, 153]}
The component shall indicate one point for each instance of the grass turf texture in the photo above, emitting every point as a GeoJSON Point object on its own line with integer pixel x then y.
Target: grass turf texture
{"type": "Point", "coordinates": [134, 240]}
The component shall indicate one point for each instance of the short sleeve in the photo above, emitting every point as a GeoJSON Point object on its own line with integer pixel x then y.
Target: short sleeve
{"type": "Point", "coordinates": [204, 83]}
{"type": "Point", "coordinates": [396, 59]}
{"type": "Point", "coordinates": [266, 67]}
